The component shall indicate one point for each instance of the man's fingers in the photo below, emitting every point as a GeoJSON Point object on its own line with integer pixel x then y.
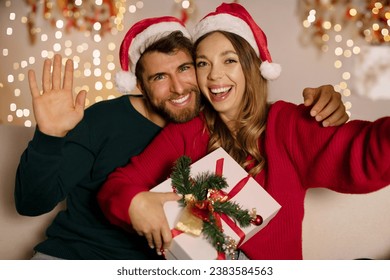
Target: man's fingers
{"type": "Point", "coordinates": [46, 86]}
{"type": "Point", "coordinates": [68, 75]}
{"type": "Point", "coordinates": [56, 75]}
{"type": "Point", "coordinates": [80, 100]}
{"type": "Point", "coordinates": [308, 96]}
{"type": "Point", "coordinates": [341, 121]}
{"type": "Point", "coordinates": [321, 108]}
{"type": "Point", "coordinates": [324, 113]}
{"type": "Point", "coordinates": [32, 82]}
{"type": "Point", "coordinates": [337, 118]}
{"type": "Point", "coordinates": [333, 106]}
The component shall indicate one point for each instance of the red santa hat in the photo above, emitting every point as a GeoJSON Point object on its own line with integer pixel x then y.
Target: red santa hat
{"type": "Point", "coordinates": [235, 18]}
{"type": "Point", "coordinates": [139, 37]}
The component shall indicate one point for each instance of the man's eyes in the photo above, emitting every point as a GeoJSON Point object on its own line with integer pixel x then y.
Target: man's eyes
{"type": "Point", "coordinates": [185, 67]}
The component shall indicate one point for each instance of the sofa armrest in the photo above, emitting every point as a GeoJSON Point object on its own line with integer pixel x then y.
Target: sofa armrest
{"type": "Point", "coordinates": [18, 234]}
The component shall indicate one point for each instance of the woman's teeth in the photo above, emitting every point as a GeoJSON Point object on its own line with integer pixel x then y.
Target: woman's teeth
{"type": "Point", "coordinates": [220, 90]}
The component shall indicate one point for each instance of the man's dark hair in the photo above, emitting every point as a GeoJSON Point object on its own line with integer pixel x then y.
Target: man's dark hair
{"type": "Point", "coordinates": [169, 44]}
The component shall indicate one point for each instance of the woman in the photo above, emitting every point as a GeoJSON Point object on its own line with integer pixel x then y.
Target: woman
{"type": "Point", "coordinates": [273, 142]}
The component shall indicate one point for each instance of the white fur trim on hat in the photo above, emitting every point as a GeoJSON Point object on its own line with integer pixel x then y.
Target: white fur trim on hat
{"type": "Point", "coordinates": [225, 22]}
{"type": "Point", "coordinates": [150, 35]}
{"type": "Point", "coordinates": [270, 71]}
{"type": "Point", "coordinates": [125, 81]}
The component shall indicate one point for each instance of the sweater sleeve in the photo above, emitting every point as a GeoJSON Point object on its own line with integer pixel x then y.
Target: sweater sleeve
{"type": "Point", "coordinates": [48, 169]}
{"type": "Point", "coordinates": [352, 158]}
{"type": "Point", "coordinates": [148, 169]}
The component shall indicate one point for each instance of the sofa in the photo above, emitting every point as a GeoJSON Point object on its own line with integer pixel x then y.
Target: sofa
{"type": "Point", "coordinates": [18, 234]}
{"type": "Point", "coordinates": [336, 226]}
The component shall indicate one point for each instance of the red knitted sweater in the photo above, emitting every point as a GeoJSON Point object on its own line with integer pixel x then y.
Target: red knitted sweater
{"type": "Point", "coordinates": [300, 154]}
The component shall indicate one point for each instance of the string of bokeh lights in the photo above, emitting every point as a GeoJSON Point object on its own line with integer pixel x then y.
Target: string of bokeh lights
{"type": "Point", "coordinates": [58, 22]}
{"type": "Point", "coordinates": [345, 25]}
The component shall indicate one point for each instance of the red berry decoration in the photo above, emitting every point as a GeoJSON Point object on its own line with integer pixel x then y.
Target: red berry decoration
{"type": "Point", "coordinates": [257, 221]}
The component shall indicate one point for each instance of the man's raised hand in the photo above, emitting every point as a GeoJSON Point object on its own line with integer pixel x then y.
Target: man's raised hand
{"type": "Point", "coordinates": [56, 111]}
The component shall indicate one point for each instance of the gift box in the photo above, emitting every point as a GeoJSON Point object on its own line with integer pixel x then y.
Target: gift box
{"type": "Point", "coordinates": [242, 189]}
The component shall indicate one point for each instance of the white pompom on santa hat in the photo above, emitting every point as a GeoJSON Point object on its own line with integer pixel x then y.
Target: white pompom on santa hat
{"type": "Point", "coordinates": [139, 37]}
{"type": "Point", "coordinates": [235, 18]}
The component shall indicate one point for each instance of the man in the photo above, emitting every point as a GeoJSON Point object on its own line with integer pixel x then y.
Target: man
{"type": "Point", "coordinates": [72, 151]}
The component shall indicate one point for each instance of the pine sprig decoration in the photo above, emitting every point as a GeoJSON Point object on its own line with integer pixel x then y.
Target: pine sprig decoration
{"type": "Point", "coordinates": [199, 189]}
{"type": "Point", "coordinates": [214, 235]}
{"type": "Point", "coordinates": [233, 210]}
{"type": "Point", "coordinates": [197, 186]}
{"type": "Point", "coordinates": [180, 175]}
{"type": "Point", "coordinates": [202, 183]}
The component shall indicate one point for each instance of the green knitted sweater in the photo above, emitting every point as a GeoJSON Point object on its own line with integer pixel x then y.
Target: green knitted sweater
{"type": "Point", "coordinates": [73, 168]}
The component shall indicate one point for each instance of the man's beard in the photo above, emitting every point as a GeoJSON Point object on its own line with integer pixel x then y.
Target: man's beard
{"type": "Point", "coordinates": [178, 116]}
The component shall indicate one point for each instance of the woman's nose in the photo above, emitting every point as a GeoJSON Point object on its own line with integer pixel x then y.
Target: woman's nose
{"type": "Point", "coordinates": [215, 73]}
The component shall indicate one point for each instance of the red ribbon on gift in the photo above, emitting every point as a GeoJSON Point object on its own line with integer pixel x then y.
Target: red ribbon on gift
{"type": "Point", "coordinates": [235, 190]}
{"type": "Point", "coordinates": [202, 209]}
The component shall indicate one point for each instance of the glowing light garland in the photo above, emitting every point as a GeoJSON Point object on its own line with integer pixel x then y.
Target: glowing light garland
{"type": "Point", "coordinates": [83, 15]}
{"type": "Point", "coordinates": [348, 25]}
{"type": "Point", "coordinates": [69, 22]}
{"type": "Point", "coordinates": [368, 19]}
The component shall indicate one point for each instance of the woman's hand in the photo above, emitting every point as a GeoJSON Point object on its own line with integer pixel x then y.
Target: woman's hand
{"type": "Point", "coordinates": [148, 218]}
